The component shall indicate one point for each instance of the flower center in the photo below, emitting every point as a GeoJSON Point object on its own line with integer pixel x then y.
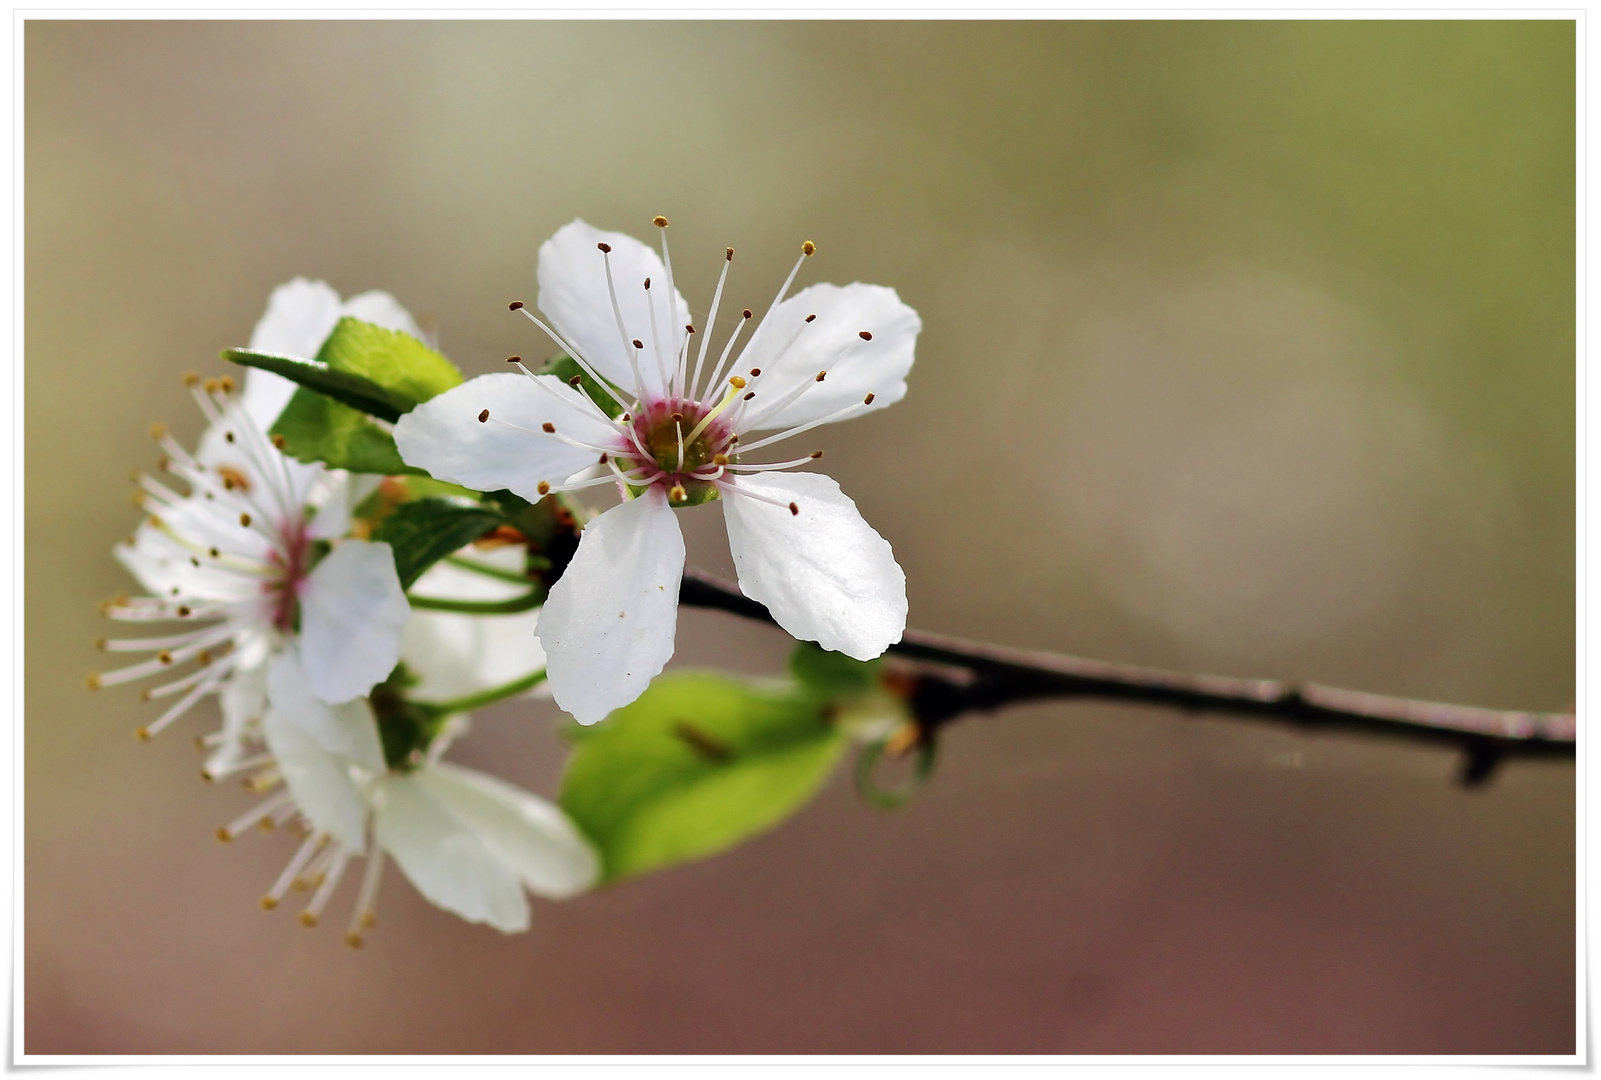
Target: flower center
{"type": "Point", "coordinates": [682, 449]}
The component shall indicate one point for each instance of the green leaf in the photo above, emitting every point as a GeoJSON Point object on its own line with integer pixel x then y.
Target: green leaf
{"type": "Point", "coordinates": [317, 428]}
{"type": "Point", "coordinates": [566, 369]}
{"type": "Point", "coordinates": [831, 672]}
{"type": "Point", "coordinates": [353, 390]}
{"type": "Point", "coordinates": [396, 361]}
{"type": "Point", "coordinates": [426, 530]}
{"type": "Point", "coordinates": [697, 764]}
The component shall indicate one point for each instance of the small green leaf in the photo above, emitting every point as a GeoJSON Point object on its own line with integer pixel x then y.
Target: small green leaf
{"type": "Point", "coordinates": [831, 672]}
{"type": "Point", "coordinates": [347, 388]}
{"type": "Point", "coordinates": [398, 362]}
{"type": "Point", "coordinates": [317, 428]}
{"type": "Point", "coordinates": [566, 369]}
{"type": "Point", "coordinates": [424, 531]}
{"type": "Point", "coordinates": [697, 764]}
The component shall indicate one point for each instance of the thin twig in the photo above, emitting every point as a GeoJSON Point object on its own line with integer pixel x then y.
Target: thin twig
{"type": "Point", "coordinates": [969, 676]}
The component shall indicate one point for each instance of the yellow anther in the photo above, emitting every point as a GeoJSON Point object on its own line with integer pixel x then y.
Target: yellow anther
{"type": "Point", "coordinates": [659, 221]}
{"type": "Point", "coordinates": [738, 382]}
{"type": "Point", "coordinates": [353, 939]}
{"type": "Point", "coordinates": [268, 903]}
{"type": "Point", "coordinates": [223, 834]}
{"type": "Point", "coordinates": [808, 248]}
{"type": "Point", "coordinates": [158, 431]}
{"type": "Point", "coordinates": [307, 919]}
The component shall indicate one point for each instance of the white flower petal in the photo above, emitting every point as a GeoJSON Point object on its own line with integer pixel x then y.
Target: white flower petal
{"type": "Point", "coordinates": [824, 573]}
{"type": "Point", "coordinates": [453, 654]}
{"type": "Point", "coordinates": [380, 309]}
{"type": "Point", "coordinates": [449, 862]}
{"type": "Point", "coordinates": [444, 435]}
{"type": "Point", "coordinates": [573, 293]}
{"type": "Point", "coordinates": [609, 623]}
{"type": "Point", "coordinates": [534, 836]}
{"type": "Point", "coordinates": [832, 343]}
{"type": "Point", "coordinates": [345, 492]}
{"type": "Point", "coordinates": [352, 615]}
{"type": "Point", "coordinates": [348, 731]}
{"type": "Point", "coordinates": [300, 315]}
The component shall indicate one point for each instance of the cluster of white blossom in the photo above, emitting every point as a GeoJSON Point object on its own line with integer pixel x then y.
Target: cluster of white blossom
{"type": "Point", "coordinates": [300, 627]}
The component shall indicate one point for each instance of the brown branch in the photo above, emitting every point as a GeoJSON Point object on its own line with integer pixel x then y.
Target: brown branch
{"type": "Point", "coordinates": [956, 677]}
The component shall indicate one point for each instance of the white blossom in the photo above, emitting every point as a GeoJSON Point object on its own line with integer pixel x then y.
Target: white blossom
{"type": "Point", "coordinates": [828, 353]}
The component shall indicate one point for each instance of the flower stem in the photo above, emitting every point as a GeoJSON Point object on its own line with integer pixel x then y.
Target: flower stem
{"type": "Point", "coordinates": [526, 602]}
{"type": "Point", "coordinates": [486, 697]}
{"type": "Point", "coordinates": [537, 562]}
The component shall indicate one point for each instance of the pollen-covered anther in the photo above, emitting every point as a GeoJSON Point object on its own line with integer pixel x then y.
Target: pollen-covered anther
{"type": "Point", "coordinates": [268, 903]}
{"type": "Point", "coordinates": [605, 458]}
{"type": "Point", "coordinates": [308, 919]}
{"type": "Point", "coordinates": [183, 611]}
{"type": "Point", "coordinates": [604, 248]}
{"type": "Point", "coordinates": [689, 328]}
{"type": "Point", "coordinates": [746, 314]}
{"type": "Point", "coordinates": [225, 384]}
{"type": "Point", "coordinates": [515, 305]}
{"type": "Point", "coordinates": [816, 454]}
{"type": "Point", "coordinates": [548, 428]}
{"type": "Point", "coordinates": [190, 379]}
{"type": "Point", "coordinates": [483, 417]}
{"type": "Point", "coordinates": [794, 510]}
{"type": "Point", "coordinates": [158, 431]}
{"type": "Point", "coordinates": [223, 834]}
{"type": "Point", "coordinates": [142, 734]}
{"type": "Point", "coordinates": [638, 344]}
{"type": "Point", "coordinates": [659, 221]}
{"type": "Point", "coordinates": [811, 318]}
{"type": "Point", "coordinates": [750, 395]}
{"type": "Point", "coordinates": [719, 459]}
{"type": "Point", "coordinates": [164, 657]}
{"type": "Point", "coordinates": [865, 335]}
{"type": "Point", "coordinates": [210, 386]}
{"type": "Point", "coordinates": [755, 371]}
{"type": "Point", "coordinates": [808, 248]}
{"type": "Point", "coordinates": [92, 682]}
{"type": "Point", "coordinates": [647, 284]}
{"type": "Point", "coordinates": [352, 938]}
{"type": "Point", "coordinates": [738, 382]}
{"type": "Point", "coordinates": [278, 442]}
{"type": "Point", "coordinates": [677, 493]}
{"type": "Point", "coordinates": [730, 255]}
{"type": "Point", "coordinates": [575, 381]}
{"type": "Point", "coordinates": [868, 400]}
{"type": "Point", "coordinates": [244, 519]}
{"type": "Point", "coordinates": [544, 487]}
{"type": "Point", "coordinates": [821, 375]}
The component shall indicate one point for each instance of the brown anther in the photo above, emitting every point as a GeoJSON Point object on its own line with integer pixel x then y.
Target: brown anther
{"type": "Point", "coordinates": [544, 487]}
{"type": "Point", "coordinates": [244, 519]}
{"type": "Point", "coordinates": [647, 284]}
{"type": "Point", "coordinates": [605, 458]}
{"type": "Point", "coordinates": [745, 314]}
{"type": "Point", "coordinates": [659, 221]}
{"type": "Point", "coordinates": [514, 359]}
{"type": "Point", "coordinates": [278, 442]}
{"type": "Point", "coordinates": [143, 734]}
{"type": "Point", "coordinates": [158, 431]}
{"type": "Point", "coordinates": [755, 371]}
{"type": "Point", "coordinates": [738, 382]}
{"type": "Point", "coordinates": [209, 386]}
{"type": "Point", "coordinates": [214, 553]}
{"type": "Point", "coordinates": [548, 428]}
{"type": "Point", "coordinates": [164, 657]}
{"type": "Point", "coordinates": [820, 375]}
{"type": "Point", "coordinates": [516, 305]}
{"type": "Point", "coordinates": [308, 919]}
{"type": "Point", "coordinates": [868, 400]}
{"type": "Point", "coordinates": [750, 395]}
{"type": "Point", "coordinates": [575, 380]}
{"type": "Point", "coordinates": [183, 611]}
{"type": "Point", "coordinates": [865, 335]}
{"type": "Point", "coordinates": [268, 903]}
{"type": "Point", "coordinates": [194, 562]}
{"type": "Point", "coordinates": [730, 255]}
{"type": "Point", "coordinates": [225, 384]}
{"type": "Point", "coordinates": [483, 417]}
{"type": "Point", "coordinates": [811, 318]}
{"type": "Point", "coordinates": [190, 378]}
{"type": "Point", "coordinates": [228, 484]}
{"type": "Point", "coordinates": [794, 510]}
{"type": "Point", "coordinates": [605, 248]}
{"type": "Point", "coordinates": [808, 248]}
{"type": "Point", "coordinates": [816, 454]}
{"type": "Point", "coordinates": [100, 643]}
{"type": "Point", "coordinates": [689, 328]}
{"type": "Point", "coordinates": [204, 657]}
{"type": "Point", "coordinates": [205, 774]}
{"type": "Point", "coordinates": [678, 418]}
{"type": "Point", "coordinates": [352, 938]}
{"type": "Point", "coordinates": [719, 459]}
{"type": "Point", "coordinates": [677, 493]}
{"type": "Point", "coordinates": [638, 344]}
{"type": "Point", "coordinates": [145, 695]}
{"type": "Point", "coordinates": [223, 834]}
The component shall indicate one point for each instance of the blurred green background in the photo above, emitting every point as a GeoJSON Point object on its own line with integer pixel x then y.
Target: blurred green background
{"type": "Point", "coordinates": [1248, 348]}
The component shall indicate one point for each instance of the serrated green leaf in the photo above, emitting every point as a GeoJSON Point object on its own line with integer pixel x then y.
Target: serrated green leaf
{"type": "Point", "coordinates": [697, 764]}
{"type": "Point", "coordinates": [831, 672]}
{"type": "Point", "coordinates": [348, 388]}
{"type": "Point", "coordinates": [424, 531]}
{"type": "Point", "coordinates": [566, 369]}
{"type": "Point", "coordinates": [317, 428]}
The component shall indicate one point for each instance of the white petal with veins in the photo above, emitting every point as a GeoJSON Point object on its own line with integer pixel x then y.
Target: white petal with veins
{"type": "Point", "coordinates": [352, 615]}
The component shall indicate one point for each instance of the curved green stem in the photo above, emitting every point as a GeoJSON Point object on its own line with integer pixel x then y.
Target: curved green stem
{"type": "Point", "coordinates": [486, 697]}
{"type": "Point", "coordinates": [537, 562]}
{"type": "Point", "coordinates": [526, 602]}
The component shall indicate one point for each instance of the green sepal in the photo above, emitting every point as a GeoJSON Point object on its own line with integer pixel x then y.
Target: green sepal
{"type": "Point", "coordinates": [566, 369]}
{"type": "Point", "coordinates": [697, 764]}
{"type": "Point", "coordinates": [832, 673]}
{"type": "Point", "coordinates": [423, 531]}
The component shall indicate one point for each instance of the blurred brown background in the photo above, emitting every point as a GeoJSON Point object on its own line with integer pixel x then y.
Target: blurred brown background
{"type": "Point", "coordinates": [1248, 348]}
